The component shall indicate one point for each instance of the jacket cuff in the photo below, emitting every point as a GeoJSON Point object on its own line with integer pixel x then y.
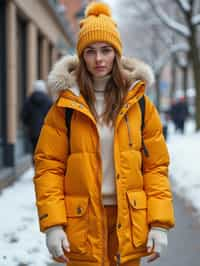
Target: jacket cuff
{"type": "Point", "coordinates": [160, 213]}
{"type": "Point", "coordinates": [158, 225]}
{"type": "Point", "coordinates": [51, 214]}
{"type": "Point", "coordinates": [158, 228]}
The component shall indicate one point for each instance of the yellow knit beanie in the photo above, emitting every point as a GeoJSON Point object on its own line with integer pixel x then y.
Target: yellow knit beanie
{"type": "Point", "coordinates": [98, 26]}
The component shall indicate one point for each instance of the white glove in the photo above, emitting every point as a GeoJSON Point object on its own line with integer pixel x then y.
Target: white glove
{"type": "Point", "coordinates": [157, 240]}
{"type": "Point", "coordinates": [56, 241]}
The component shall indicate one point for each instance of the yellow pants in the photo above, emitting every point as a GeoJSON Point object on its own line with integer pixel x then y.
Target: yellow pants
{"type": "Point", "coordinates": [112, 243]}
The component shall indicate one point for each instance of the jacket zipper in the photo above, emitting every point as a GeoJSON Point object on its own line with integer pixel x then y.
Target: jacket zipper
{"type": "Point", "coordinates": [129, 130]}
{"type": "Point", "coordinates": [102, 207]}
{"type": "Point", "coordinates": [116, 171]}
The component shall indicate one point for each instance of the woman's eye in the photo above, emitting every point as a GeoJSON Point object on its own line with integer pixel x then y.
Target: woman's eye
{"type": "Point", "coordinates": [89, 52]}
{"type": "Point", "coordinates": [108, 50]}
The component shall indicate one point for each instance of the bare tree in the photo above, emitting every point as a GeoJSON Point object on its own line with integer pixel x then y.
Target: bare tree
{"type": "Point", "coordinates": [189, 31]}
{"type": "Point", "coordinates": [147, 38]}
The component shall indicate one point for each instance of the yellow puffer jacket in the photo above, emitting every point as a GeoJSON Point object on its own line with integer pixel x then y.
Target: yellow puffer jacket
{"type": "Point", "coordinates": [68, 186]}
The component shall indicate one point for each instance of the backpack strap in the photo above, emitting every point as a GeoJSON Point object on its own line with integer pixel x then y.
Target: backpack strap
{"type": "Point", "coordinates": [142, 109]}
{"type": "Point", "coordinates": [68, 118]}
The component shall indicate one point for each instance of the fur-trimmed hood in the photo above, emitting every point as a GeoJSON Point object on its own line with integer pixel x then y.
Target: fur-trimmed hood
{"type": "Point", "coordinates": [62, 75]}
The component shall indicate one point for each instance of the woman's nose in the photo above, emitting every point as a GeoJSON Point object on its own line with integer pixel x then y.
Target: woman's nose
{"type": "Point", "coordinates": [98, 56]}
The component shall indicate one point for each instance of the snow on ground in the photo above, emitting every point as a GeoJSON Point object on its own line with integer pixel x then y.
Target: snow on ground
{"type": "Point", "coordinates": [185, 166]}
{"type": "Point", "coordinates": [21, 244]}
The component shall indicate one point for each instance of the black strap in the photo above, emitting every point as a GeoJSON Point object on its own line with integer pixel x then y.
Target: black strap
{"type": "Point", "coordinates": [142, 108]}
{"type": "Point", "coordinates": [68, 118]}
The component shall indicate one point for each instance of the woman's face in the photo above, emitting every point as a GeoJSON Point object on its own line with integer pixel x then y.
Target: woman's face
{"type": "Point", "coordinates": [99, 58]}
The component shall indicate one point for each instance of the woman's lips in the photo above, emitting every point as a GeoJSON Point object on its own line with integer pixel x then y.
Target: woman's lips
{"type": "Point", "coordinates": [100, 68]}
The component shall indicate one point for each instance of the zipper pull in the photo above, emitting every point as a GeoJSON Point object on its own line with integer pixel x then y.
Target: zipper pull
{"type": "Point", "coordinates": [118, 259]}
{"type": "Point", "coordinates": [128, 129]}
{"type": "Point", "coordinates": [146, 153]}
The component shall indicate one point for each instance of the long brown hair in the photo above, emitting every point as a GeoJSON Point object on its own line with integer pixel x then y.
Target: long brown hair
{"type": "Point", "coordinates": [115, 91]}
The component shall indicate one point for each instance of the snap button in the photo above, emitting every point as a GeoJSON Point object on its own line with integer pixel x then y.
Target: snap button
{"type": "Point", "coordinates": [79, 210]}
{"type": "Point", "coordinates": [80, 106]}
{"type": "Point", "coordinates": [119, 226]}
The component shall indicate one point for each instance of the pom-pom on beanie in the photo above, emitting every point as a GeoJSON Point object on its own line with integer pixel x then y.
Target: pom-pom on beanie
{"type": "Point", "coordinates": [98, 26]}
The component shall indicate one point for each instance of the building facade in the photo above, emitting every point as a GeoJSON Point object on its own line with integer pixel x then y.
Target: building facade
{"type": "Point", "coordinates": [32, 37]}
{"type": "Point", "coordinates": [74, 12]}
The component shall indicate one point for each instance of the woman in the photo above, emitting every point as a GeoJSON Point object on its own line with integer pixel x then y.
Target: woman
{"type": "Point", "coordinates": [100, 199]}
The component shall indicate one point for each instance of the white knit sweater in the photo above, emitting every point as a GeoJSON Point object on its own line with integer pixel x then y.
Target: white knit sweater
{"type": "Point", "coordinates": [106, 134]}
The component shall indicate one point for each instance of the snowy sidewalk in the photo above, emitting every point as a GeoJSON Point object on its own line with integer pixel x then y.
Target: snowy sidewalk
{"type": "Point", "coordinates": [185, 164]}
{"type": "Point", "coordinates": [20, 240]}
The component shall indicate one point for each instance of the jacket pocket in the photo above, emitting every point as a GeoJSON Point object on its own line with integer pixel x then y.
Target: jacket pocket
{"type": "Point", "coordinates": [77, 223]}
{"type": "Point", "coordinates": [138, 215]}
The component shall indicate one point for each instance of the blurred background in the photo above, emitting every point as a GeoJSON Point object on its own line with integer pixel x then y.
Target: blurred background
{"type": "Point", "coordinates": [34, 34]}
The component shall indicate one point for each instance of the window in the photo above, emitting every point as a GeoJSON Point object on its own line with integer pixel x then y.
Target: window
{"type": "Point", "coordinates": [21, 144]}
{"type": "Point", "coordinates": [50, 56]}
{"type": "Point", "coordinates": [2, 82]}
{"type": "Point", "coordinates": [39, 44]}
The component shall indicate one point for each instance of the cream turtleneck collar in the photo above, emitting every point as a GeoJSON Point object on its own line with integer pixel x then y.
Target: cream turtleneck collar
{"type": "Point", "coordinates": [100, 83]}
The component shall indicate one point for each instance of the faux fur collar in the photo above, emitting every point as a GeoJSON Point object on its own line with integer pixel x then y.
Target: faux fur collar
{"type": "Point", "coordinates": [62, 75]}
